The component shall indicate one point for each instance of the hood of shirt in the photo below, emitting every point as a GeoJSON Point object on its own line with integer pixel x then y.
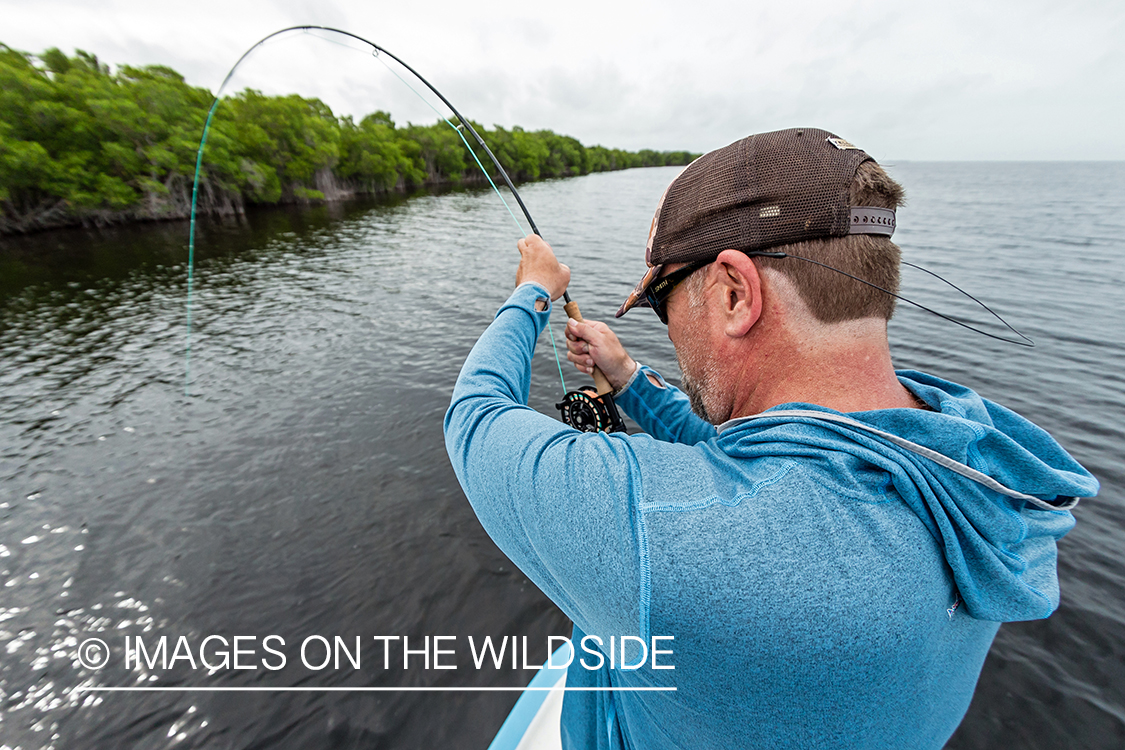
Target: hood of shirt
{"type": "Point", "coordinates": [993, 489]}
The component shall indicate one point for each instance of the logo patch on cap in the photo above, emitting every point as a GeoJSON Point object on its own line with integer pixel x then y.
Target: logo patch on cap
{"type": "Point", "coordinates": [841, 144]}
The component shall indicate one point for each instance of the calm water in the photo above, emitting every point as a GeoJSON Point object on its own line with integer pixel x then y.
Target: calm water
{"type": "Point", "coordinates": [302, 487]}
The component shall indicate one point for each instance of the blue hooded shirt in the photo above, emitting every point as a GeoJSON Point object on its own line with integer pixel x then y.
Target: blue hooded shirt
{"type": "Point", "coordinates": [826, 580]}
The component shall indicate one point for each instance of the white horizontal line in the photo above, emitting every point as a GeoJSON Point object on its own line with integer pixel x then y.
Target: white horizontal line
{"type": "Point", "coordinates": [164, 689]}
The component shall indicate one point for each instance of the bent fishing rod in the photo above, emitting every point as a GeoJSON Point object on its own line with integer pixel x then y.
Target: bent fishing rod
{"type": "Point", "coordinates": [581, 409]}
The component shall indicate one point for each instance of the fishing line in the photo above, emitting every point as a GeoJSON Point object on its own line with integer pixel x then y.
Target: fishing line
{"type": "Point", "coordinates": [1026, 341]}
{"type": "Point", "coordinates": [459, 129]}
{"type": "Point", "coordinates": [462, 136]}
{"type": "Point", "coordinates": [550, 332]}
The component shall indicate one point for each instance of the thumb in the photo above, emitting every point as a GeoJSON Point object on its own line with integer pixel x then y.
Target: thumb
{"type": "Point", "coordinates": [579, 329]}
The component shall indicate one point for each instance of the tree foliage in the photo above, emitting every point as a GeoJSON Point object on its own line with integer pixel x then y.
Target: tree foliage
{"type": "Point", "coordinates": [80, 143]}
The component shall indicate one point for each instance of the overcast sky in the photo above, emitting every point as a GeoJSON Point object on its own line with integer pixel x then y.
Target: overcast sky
{"type": "Point", "coordinates": [904, 80]}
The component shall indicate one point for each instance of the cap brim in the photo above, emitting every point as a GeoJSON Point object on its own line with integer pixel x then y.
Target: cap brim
{"type": "Point", "coordinates": [636, 297]}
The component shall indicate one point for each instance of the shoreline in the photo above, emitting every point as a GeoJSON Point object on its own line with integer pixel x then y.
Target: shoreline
{"type": "Point", "coordinates": [124, 146]}
{"type": "Point", "coordinates": [177, 206]}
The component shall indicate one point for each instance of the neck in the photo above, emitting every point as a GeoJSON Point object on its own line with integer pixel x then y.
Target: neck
{"type": "Point", "coordinates": [845, 366]}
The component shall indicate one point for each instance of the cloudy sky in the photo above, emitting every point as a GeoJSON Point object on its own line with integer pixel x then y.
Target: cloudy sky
{"type": "Point", "coordinates": [905, 80]}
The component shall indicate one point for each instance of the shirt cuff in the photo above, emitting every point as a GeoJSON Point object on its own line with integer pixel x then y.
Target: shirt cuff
{"type": "Point", "coordinates": [523, 298]}
{"type": "Point", "coordinates": [629, 382]}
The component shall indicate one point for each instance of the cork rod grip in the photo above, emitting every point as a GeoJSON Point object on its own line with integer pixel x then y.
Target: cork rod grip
{"type": "Point", "coordinates": [600, 381]}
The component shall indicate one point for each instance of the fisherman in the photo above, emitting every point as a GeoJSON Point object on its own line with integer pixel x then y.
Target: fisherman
{"type": "Point", "coordinates": [832, 544]}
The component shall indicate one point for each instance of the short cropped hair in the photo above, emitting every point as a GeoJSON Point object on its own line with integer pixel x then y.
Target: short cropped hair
{"type": "Point", "coordinates": [833, 297]}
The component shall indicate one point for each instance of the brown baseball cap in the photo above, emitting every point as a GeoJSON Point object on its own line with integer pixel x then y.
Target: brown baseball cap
{"type": "Point", "coordinates": [763, 191]}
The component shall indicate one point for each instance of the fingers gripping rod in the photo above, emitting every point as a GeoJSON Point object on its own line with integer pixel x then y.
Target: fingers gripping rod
{"type": "Point", "coordinates": [601, 383]}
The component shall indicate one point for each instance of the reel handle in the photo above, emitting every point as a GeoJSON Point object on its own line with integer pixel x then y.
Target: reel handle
{"type": "Point", "coordinates": [600, 381]}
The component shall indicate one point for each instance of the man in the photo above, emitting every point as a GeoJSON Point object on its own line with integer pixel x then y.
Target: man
{"type": "Point", "coordinates": [831, 544]}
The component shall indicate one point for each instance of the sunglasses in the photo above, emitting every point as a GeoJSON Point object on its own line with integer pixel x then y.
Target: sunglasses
{"type": "Point", "coordinates": [662, 288]}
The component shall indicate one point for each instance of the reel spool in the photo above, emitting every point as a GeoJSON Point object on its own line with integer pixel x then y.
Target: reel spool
{"type": "Point", "coordinates": [587, 412]}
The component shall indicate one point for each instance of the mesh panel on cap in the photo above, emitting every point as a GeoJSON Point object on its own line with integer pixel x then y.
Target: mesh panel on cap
{"type": "Point", "coordinates": [762, 191]}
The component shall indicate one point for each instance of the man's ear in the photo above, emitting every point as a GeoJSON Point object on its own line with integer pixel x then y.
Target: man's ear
{"type": "Point", "coordinates": [738, 280]}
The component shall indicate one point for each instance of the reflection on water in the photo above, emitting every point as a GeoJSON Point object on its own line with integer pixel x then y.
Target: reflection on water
{"type": "Point", "coordinates": [302, 487]}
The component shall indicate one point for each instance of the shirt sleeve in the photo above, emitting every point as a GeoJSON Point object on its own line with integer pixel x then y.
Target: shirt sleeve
{"type": "Point", "coordinates": [663, 411]}
{"type": "Point", "coordinates": [562, 504]}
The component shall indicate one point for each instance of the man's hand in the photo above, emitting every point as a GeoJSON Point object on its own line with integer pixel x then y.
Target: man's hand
{"type": "Point", "coordinates": [590, 343]}
{"type": "Point", "coordinates": [538, 264]}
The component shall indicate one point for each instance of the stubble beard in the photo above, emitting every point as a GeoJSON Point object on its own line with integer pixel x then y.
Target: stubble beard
{"type": "Point", "coordinates": [697, 380]}
{"type": "Point", "coordinates": [700, 372]}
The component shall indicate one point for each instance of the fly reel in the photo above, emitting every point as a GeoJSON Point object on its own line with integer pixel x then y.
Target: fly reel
{"type": "Point", "coordinates": [585, 410]}
{"type": "Point", "coordinates": [588, 412]}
